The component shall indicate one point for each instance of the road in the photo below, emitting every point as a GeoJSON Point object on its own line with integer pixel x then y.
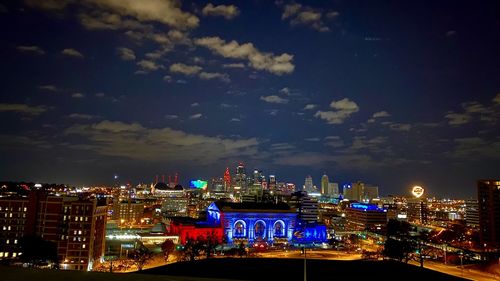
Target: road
{"type": "Point", "coordinates": [457, 271]}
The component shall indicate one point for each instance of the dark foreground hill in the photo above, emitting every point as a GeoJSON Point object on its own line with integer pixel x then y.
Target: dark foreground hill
{"type": "Point", "coordinates": [293, 269]}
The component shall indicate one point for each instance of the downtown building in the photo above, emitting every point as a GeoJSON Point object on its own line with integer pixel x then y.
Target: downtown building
{"type": "Point", "coordinates": [488, 193]}
{"type": "Point", "coordinates": [366, 217]}
{"type": "Point", "coordinates": [76, 225]}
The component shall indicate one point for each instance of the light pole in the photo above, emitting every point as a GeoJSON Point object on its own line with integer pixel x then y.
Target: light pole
{"type": "Point", "coordinates": [305, 264]}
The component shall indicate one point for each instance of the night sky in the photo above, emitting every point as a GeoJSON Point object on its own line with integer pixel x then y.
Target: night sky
{"type": "Point", "coordinates": [392, 93]}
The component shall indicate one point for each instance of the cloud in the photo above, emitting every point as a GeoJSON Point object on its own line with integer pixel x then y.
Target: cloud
{"type": "Point", "coordinates": [303, 15]}
{"type": "Point", "coordinates": [274, 99]}
{"type": "Point", "coordinates": [235, 120]}
{"type": "Point", "coordinates": [80, 116]}
{"type": "Point", "coordinates": [400, 127]}
{"type": "Point", "coordinates": [133, 141]}
{"type": "Point", "coordinates": [312, 139]}
{"type": "Point", "coordinates": [22, 108]}
{"type": "Point", "coordinates": [51, 88]}
{"type": "Point", "coordinates": [344, 109]}
{"type": "Point", "coordinates": [381, 114]}
{"type": "Point", "coordinates": [196, 116]}
{"type": "Point", "coordinates": [194, 104]}
{"type": "Point", "coordinates": [456, 119]}
{"type": "Point", "coordinates": [233, 65]}
{"type": "Point", "coordinates": [147, 65]}
{"type": "Point", "coordinates": [475, 148]}
{"type": "Point", "coordinates": [225, 105]}
{"type": "Point", "coordinates": [125, 53]}
{"type": "Point", "coordinates": [215, 75]}
{"type": "Point", "coordinates": [184, 69]}
{"type": "Point", "coordinates": [333, 141]}
{"type": "Point", "coordinates": [168, 78]}
{"type": "Point", "coordinates": [282, 146]}
{"type": "Point", "coordinates": [31, 49]}
{"type": "Point", "coordinates": [164, 11]}
{"type": "Point", "coordinates": [78, 95]}
{"type": "Point", "coordinates": [171, 116]}
{"type": "Point", "coordinates": [226, 11]}
{"type": "Point", "coordinates": [100, 95]}
{"type": "Point", "coordinates": [72, 53]}
{"type": "Point", "coordinates": [99, 19]}
{"type": "Point", "coordinates": [285, 91]}
{"type": "Point", "coordinates": [310, 106]}
{"type": "Point", "coordinates": [278, 65]}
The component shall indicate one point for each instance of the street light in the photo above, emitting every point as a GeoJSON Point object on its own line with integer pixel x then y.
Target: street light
{"type": "Point", "coordinates": [305, 264]}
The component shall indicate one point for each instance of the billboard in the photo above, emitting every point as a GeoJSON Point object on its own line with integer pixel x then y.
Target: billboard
{"type": "Point", "coordinates": [198, 184]}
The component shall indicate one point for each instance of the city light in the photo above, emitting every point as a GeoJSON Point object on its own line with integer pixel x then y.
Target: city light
{"type": "Point", "coordinates": [417, 191]}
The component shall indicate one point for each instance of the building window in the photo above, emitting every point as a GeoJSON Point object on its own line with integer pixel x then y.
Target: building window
{"type": "Point", "coordinates": [15, 241]}
{"type": "Point", "coordinates": [83, 246]}
{"type": "Point", "coordinates": [25, 209]}
{"type": "Point", "coordinates": [239, 230]}
{"type": "Point", "coordinates": [279, 228]}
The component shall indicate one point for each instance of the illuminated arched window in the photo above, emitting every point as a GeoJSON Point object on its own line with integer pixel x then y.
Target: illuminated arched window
{"type": "Point", "coordinates": [239, 229]}
{"type": "Point", "coordinates": [279, 229]}
{"type": "Point", "coordinates": [259, 229]}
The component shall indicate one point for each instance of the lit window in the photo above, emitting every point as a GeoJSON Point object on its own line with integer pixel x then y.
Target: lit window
{"type": "Point", "coordinates": [4, 227]}
{"type": "Point", "coordinates": [25, 209]}
{"type": "Point", "coordinates": [79, 232]}
{"type": "Point", "coordinates": [83, 246]}
{"type": "Point", "coordinates": [74, 232]}
{"type": "Point", "coordinates": [10, 215]}
{"type": "Point", "coordinates": [15, 241]}
{"type": "Point", "coordinates": [76, 218]}
{"type": "Point", "coordinates": [1, 254]}
{"type": "Point", "coordinates": [8, 228]}
{"type": "Point", "coordinates": [14, 255]}
{"type": "Point", "coordinates": [8, 241]}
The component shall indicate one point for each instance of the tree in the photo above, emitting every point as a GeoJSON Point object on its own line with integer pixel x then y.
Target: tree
{"type": "Point", "coordinates": [36, 250]}
{"type": "Point", "coordinates": [210, 243]}
{"type": "Point", "coordinates": [192, 249]}
{"type": "Point", "coordinates": [141, 256]}
{"type": "Point", "coordinates": [398, 249]}
{"type": "Point", "coordinates": [241, 249]}
{"type": "Point", "coordinates": [167, 248]}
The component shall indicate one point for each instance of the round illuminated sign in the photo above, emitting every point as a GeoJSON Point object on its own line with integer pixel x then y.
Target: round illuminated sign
{"type": "Point", "coordinates": [417, 191]}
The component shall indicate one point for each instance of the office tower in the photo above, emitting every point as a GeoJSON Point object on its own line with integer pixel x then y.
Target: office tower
{"type": "Point", "coordinates": [272, 182]}
{"type": "Point", "coordinates": [370, 192]}
{"type": "Point", "coordinates": [488, 193]}
{"type": "Point", "coordinates": [306, 206]}
{"type": "Point", "coordinates": [324, 185]}
{"type": "Point", "coordinates": [227, 180]}
{"type": "Point", "coordinates": [308, 184]}
{"type": "Point", "coordinates": [366, 217]}
{"type": "Point", "coordinates": [333, 189]}
{"type": "Point", "coordinates": [472, 213]}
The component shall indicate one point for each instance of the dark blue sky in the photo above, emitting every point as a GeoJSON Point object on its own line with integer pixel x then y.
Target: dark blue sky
{"type": "Point", "coordinates": [393, 93]}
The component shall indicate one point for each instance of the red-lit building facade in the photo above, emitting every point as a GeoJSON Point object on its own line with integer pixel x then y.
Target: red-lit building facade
{"type": "Point", "coordinates": [77, 225]}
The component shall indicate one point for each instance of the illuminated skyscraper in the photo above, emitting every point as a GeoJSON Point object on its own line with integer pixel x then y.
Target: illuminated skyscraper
{"type": "Point", "coordinates": [488, 193]}
{"type": "Point", "coordinates": [308, 184]}
{"type": "Point", "coordinates": [324, 184]}
{"type": "Point", "coordinates": [227, 180]}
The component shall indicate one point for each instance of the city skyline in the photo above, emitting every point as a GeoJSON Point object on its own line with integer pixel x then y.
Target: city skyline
{"type": "Point", "coordinates": [359, 91]}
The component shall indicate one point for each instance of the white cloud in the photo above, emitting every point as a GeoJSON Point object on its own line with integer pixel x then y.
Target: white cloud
{"type": "Point", "coordinates": [344, 109]}
{"type": "Point", "coordinates": [235, 120]}
{"type": "Point", "coordinates": [22, 108]}
{"type": "Point", "coordinates": [100, 95]}
{"type": "Point", "coordinates": [72, 53]}
{"type": "Point", "coordinates": [303, 15]}
{"type": "Point", "coordinates": [312, 139]}
{"type": "Point", "coordinates": [184, 68]}
{"type": "Point", "coordinates": [168, 78]}
{"type": "Point", "coordinates": [274, 99]}
{"type": "Point", "coordinates": [215, 75]}
{"type": "Point", "coordinates": [310, 106]}
{"type": "Point", "coordinates": [400, 127]}
{"type": "Point", "coordinates": [381, 114]}
{"type": "Point", "coordinates": [164, 11]}
{"type": "Point", "coordinates": [31, 49]}
{"type": "Point", "coordinates": [194, 104]}
{"type": "Point", "coordinates": [196, 116]}
{"type": "Point", "coordinates": [225, 105]}
{"type": "Point", "coordinates": [133, 141]}
{"type": "Point", "coordinates": [51, 88]}
{"type": "Point", "coordinates": [457, 119]}
{"type": "Point", "coordinates": [226, 11]}
{"type": "Point", "coordinates": [104, 20]}
{"type": "Point", "coordinates": [77, 95]}
{"type": "Point", "coordinates": [233, 65]}
{"type": "Point", "coordinates": [125, 53]}
{"type": "Point", "coordinates": [80, 116]}
{"type": "Point", "coordinates": [171, 116]}
{"type": "Point", "coordinates": [332, 14]}
{"type": "Point", "coordinates": [147, 65]}
{"type": "Point", "coordinates": [285, 91]}
{"type": "Point", "coordinates": [279, 64]}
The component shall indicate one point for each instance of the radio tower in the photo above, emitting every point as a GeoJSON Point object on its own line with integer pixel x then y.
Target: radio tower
{"type": "Point", "coordinates": [227, 179]}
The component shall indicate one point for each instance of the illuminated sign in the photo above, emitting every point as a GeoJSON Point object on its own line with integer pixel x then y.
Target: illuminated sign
{"type": "Point", "coordinates": [198, 184]}
{"type": "Point", "coordinates": [417, 191]}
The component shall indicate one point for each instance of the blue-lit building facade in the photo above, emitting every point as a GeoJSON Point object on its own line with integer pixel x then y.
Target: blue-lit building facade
{"type": "Point", "coordinates": [249, 223]}
{"type": "Point", "coordinates": [366, 217]}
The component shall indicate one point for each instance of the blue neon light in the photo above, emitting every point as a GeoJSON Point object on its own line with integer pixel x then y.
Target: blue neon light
{"type": "Point", "coordinates": [366, 207]}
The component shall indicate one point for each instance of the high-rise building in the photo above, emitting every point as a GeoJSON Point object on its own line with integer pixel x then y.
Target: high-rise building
{"type": "Point", "coordinates": [306, 206]}
{"type": "Point", "coordinates": [272, 182]}
{"type": "Point", "coordinates": [370, 192]}
{"type": "Point", "coordinates": [308, 184]}
{"type": "Point", "coordinates": [324, 184]}
{"type": "Point", "coordinates": [76, 225]}
{"type": "Point", "coordinates": [333, 189]}
{"type": "Point", "coordinates": [366, 217]}
{"type": "Point", "coordinates": [488, 193]}
{"type": "Point", "coordinates": [354, 191]}
{"type": "Point", "coordinates": [472, 213]}
{"type": "Point", "coordinates": [417, 210]}
{"type": "Point", "coordinates": [128, 211]}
